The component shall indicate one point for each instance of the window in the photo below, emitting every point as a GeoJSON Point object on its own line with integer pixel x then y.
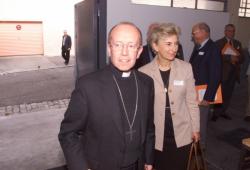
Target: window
{"type": "Point", "coordinates": [244, 10]}
{"type": "Point", "coordinates": [153, 2]}
{"type": "Point", "coordinates": [215, 5]}
{"type": "Point", "coordinates": [184, 3]}
{"type": "Point", "coordinates": [211, 5]}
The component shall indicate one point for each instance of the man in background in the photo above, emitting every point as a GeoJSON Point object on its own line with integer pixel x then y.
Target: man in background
{"type": "Point", "coordinates": [66, 47]}
{"type": "Point", "coordinates": [231, 61]}
{"type": "Point", "coordinates": [206, 64]}
{"type": "Point", "coordinates": [147, 54]}
{"type": "Point", "coordinates": [247, 116]}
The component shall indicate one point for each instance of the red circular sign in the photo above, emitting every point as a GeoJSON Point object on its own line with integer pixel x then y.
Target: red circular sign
{"type": "Point", "coordinates": [18, 27]}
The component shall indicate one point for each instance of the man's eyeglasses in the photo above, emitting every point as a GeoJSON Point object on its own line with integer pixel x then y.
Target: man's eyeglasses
{"type": "Point", "coordinates": [118, 46]}
{"type": "Point", "coordinates": [195, 32]}
{"type": "Point", "coordinates": [228, 30]}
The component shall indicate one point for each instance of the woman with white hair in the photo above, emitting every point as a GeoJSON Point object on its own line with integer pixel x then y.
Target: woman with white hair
{"type": "Point", "coordinates": [176, 112]}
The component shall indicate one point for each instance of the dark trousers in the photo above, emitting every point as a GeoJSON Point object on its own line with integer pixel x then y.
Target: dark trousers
{"type": "Point", "coordinates": [133, 166]}
{"type": "Point", "coordinates": [227, 87]}
{"type": "Point", "coordinates": [65, 54]}
{"type": "Point", "coordinates": [204, 115]}
{"type": "Point", "coordinates": [172, 158]}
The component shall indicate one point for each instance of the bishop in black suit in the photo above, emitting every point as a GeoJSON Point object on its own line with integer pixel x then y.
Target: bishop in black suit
{"type": "Point", "coordinates": [109, 121]}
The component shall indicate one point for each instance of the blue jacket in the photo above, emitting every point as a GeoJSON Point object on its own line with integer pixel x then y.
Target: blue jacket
{"type": "Point", "coordinates": [206, 63]}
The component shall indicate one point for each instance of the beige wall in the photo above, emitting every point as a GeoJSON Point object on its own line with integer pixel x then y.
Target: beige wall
{"type": "Point", "coordinates": [242, 24]}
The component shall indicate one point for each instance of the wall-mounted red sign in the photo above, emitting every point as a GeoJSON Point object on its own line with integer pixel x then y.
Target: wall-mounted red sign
{"type": "Point", "coordinates": [18, 27]}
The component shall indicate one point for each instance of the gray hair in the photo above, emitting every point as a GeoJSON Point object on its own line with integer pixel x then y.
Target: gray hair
{"type": "Point", "coordinates": [163, 30]}
{"type": "Point", "coordinates": [202, 26]}
{"type": "Point", "coordinates": [229, 25]}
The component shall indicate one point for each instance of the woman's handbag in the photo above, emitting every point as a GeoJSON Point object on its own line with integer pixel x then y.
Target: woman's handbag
{"type": "Point", "coordinates": [196, 159]}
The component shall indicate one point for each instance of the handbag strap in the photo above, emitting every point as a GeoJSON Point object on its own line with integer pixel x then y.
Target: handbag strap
{"type": "Point", "coordinates": [199, 163]}
{"type": "Point", "coordinates": [190, 156]}
{"type": "Point", "coordinates": [196, 155]}
{"type": "Point", "coordinates": [193, 154]}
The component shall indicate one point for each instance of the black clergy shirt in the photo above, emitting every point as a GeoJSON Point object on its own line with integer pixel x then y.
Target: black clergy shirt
{"type": "Point", "coordinates": [127, 86]}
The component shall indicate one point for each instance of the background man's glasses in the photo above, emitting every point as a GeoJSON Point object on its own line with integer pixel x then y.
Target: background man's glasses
{"type": "Point", "coordinates": [195, 32]}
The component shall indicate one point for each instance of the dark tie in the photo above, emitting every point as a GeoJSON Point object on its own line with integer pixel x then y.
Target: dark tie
{"type": "Point", "coordinates": [197, 46]}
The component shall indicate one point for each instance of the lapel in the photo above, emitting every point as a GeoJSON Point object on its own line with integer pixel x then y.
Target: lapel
{"type": "Point", "coordinates": [206, 46]}
{"type": "Point", "coordinates": [203, 50]}
{"type": "Point", "coordinates": [111, 99]}
{"type": "Point", "coordinates": [172, 75]}
{"type": "Point", "coordinates": [156, 75]}
{"type": "Point", "coordinates": [194, 54]}
{"type": "Point", "coordinates": [141, 107]}
{"type": "Point", "coordinates": [224, 40]}
{"type": "Point", "coordinates": [223, 43]}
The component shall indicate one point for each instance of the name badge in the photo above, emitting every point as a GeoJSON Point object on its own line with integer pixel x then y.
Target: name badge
{"type": "Point", "coordinates": [178, 82]}
{"type": "Point", "coordinates": [201, 53]}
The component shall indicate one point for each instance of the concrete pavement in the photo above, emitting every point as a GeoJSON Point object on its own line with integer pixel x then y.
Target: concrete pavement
{"type": "Point", "coordinates": [28, 133]}
{"type": "Point", "coordinates": [21, 82]}
{"type": "Point", "coordinates": [29, 141]}
{"type": "Point", "coordinates": [14, 64]}
{"type": "Point", "coordinates": [33, 107]}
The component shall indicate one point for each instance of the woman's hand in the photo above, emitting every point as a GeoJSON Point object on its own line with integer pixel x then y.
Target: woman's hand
{"type": "Point", "coordinates": [148, 167]}
{"type": "Point", "coordinates": [196, 136]}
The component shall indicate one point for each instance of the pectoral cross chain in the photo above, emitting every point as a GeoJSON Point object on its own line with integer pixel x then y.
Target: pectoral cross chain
{"type": "Point", "coordinates": [130, 133]}
{"type": "Point", "coordinates": [130, 124]}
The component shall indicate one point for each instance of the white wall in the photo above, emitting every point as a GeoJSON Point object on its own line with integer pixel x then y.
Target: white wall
{"type": "Point", "coordinates": [143, 15]}
{"type": "Point", "coordinates": [56, 16]}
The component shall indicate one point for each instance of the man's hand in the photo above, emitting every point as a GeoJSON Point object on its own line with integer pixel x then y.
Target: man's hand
{"type": "Point", "coordinates": [204, 103]}
{"type": "Point", "coordinates": [148, 167]}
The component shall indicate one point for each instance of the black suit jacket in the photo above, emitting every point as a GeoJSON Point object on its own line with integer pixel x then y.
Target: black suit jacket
{"type": "Point", "coordinates": [180, 54]}
{"type": "Point", "coordinates": [91, 133]}
{"type": "Point", "coordinates": [67, 44]}
{"type": "Point", "coordinates": [145, 56]}
{"type": "Point", "coordinates": [206, 64]}
{"type": "Point", "coordinates": [229, 69]}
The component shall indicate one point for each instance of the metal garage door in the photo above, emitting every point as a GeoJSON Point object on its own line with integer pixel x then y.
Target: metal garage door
{"type": "Point", "coordinates": [21, 38]}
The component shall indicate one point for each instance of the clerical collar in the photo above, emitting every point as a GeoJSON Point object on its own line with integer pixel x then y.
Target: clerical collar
{"type": "Point", "coordinates": [118, 73]}
{"type": "Point", "coordinates": [126, 74]}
